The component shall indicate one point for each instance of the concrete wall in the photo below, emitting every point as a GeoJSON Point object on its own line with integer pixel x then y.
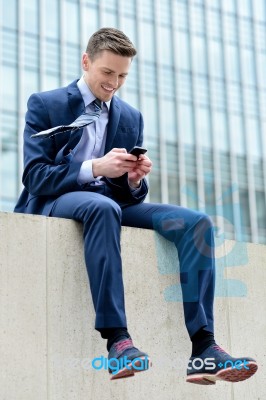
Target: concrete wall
{"type": "Point", "coordinates": [47, 339]}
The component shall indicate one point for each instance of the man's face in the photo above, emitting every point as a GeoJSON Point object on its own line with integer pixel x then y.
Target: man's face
{"type": "Point", "coordinates": [106, 73]}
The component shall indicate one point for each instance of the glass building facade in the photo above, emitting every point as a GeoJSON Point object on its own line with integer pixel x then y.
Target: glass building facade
{"type": "Point", "coordinates": [199, 79]}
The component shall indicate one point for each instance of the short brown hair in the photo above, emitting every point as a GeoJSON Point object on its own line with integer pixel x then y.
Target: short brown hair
{"type": "Point", "coordinates": [110, 39]}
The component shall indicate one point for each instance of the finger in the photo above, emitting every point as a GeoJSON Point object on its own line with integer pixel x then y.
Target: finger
{"type": "Point", "coordinates": [129, 157]}
{"type": "Point", "coordinates": [143, 157]}
{"type": "Point", "coordinates": [143, 170]}
{"type": "Point", "coordinates": [145, 163]}
{"type": "Point", "coordinates": [119, 150]}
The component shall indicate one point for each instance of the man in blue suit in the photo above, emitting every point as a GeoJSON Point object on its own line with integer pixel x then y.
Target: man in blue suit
{"type": "Point", "coordinates": [89, 175]}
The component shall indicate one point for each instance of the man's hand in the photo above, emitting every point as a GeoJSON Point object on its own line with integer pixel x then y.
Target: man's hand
{"type": "Point", "coordinates": [114, 164]}
{"type": "Point", "coordinates": [142, 168]}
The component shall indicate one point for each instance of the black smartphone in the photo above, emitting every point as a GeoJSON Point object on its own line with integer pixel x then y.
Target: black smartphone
{"type": "Point", "coordinates": [137, 151]}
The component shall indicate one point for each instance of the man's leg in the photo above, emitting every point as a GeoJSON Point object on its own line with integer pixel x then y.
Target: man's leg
{"type": "Point", "coordinates": [192, 234]}
{"type": "Point", "coordinates": [101, 219]}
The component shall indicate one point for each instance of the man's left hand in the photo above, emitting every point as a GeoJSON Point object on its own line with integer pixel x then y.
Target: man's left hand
{"type": "Point", "coordinates": [143, 168]}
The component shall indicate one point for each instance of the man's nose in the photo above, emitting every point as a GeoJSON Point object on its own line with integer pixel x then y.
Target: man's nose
{"type": "Point", "coordinates": [114, 81]}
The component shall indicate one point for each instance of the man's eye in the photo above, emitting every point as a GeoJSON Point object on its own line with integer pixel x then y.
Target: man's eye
{"type": "Point", "coordinates": [107, 72]}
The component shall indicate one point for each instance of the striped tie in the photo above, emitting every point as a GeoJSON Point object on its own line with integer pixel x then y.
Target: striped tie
{"type": "Point", "coordinates": [83, 120]}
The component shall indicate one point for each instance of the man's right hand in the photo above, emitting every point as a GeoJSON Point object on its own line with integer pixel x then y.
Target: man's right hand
{"type": "Point", "coordinates": [114, 164]}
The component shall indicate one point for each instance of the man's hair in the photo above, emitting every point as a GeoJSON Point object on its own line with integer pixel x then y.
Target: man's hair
{"type": "Point", "coordinates": [110, 39]}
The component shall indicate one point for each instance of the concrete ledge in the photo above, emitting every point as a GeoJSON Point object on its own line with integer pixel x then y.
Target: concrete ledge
{"type": "Point", "coordinates": [47, 337]}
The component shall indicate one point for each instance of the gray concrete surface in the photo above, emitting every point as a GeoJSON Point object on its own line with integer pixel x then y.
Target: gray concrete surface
{"type": "Point", "coordinates": [47, 337]}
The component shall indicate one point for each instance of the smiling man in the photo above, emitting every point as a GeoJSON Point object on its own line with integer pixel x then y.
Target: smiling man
{"type": "Point", "coordinates": [88, 175]}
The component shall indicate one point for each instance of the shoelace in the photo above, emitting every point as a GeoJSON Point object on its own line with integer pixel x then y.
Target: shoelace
{"type": "Point", "coordinates": [123, 345]}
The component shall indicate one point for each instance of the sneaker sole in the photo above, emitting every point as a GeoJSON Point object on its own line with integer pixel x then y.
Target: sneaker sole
{"type": "Point", "coordinates": [127, 373]}
{"type": "Point", "coordinates": [228, 375]}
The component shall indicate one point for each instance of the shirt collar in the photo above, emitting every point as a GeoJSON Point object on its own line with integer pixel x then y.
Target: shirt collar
{"type": "Point", "coordinates": [86, 93]}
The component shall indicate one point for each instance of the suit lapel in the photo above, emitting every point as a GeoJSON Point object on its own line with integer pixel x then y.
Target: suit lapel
{"type": "Point", "coordinates": [114, 116]}
{"type": "Point", "coordinates": [75, 100]}
{"type": "Point", "coordinates": [76, 104]}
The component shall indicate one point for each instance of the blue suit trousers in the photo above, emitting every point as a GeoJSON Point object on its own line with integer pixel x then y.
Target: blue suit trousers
{"type": "Point", "coordinates": [190, 231]}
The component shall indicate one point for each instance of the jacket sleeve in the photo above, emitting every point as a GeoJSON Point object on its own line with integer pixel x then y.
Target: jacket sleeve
{"type": "Point", "coordinates": [41, 176]}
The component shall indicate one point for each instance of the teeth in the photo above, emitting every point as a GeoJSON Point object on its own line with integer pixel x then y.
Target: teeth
{"type": "Point", "coordinates": [106, 88]}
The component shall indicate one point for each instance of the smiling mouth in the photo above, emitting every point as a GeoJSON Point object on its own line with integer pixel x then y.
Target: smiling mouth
{"type": "Point", "coordinates": [110, 90]}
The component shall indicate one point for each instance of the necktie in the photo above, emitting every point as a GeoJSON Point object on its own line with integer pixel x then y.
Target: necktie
{"type": "Point", "coordinates": [83, 120]}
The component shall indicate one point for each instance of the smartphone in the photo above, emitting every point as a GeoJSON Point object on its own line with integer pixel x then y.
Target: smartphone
{"type": "Point", "coordinates": [137, 151]}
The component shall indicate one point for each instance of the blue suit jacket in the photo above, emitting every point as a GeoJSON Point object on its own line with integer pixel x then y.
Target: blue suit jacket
{"type": "Point", "coordinates": [49, 172]}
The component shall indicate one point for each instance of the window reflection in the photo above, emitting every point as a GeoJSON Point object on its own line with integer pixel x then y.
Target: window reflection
{"type": "Point", "coordinates": [150, 114]}
{"type": "Point", "coordinates": [164, 12]}
{"type": "Point", "coordinates": [237, 134]}
{"type": "Point", "coordinates": [10, 46]}
{"type": "Point", "coordinates": [259, 10]}
{"type": "Point", "coordinates": [245, 33]}
{"type": "Point", "coordinates": [180, 10]}
{"type": "Point", "coordinates": [199, 55]}
{"type": "Point", "coordinates": [261, 62]}
{"type": "Point", "coordinates": [201, 91]}
{"type": "Point", "coordinates": [168, 122]}
{"type": "Point", "coordinates": [9, 169]}
{"type": "Point", "coordinates": [184, 86]}
{"type": "Point", "coordinates": [146, 9]}
{"type": "Point", "coordinates": [185, 124]}
{"type": "Point", "coordinates": [30, 84]}
{"type": "Point", "coordinates": [90, 24]}
{"type": "Point", "coordinates": [149, 79]}
{"type": "Point", "coordinates": [166, 78]}
{"type": "Point", "coordinates": [232, 62]}
{"type": "Point", "coordinates": [250, 101]}
{"type": "Point", "coordinates": [260, 34]}
{"type": "Point", "coordinates": [109, 18]}
{"type": "Point", "coordinates": [182, 50]}
{"type": "Point", "coordinates": [51, 19]}
{"type": "Point", "coordinates": [253, 139]}
{"type": "Point", "coordinates": [197, 22]}
{"type": "Point", "coordinates": [202, 127]}
{"type": "Point", "coordinates": [248, 67]}
{"type": "Point", "coordinates": [228, 6]}
{"type": "Point", "coordinates": [165, 46]}
{"type": "Point", "coordinates": [30, 16]}
{"type": "Point", "coordinates": [234, 98]}
{"type": "Point", "coordinates": [244, 7]}
{"type": "Point", "coordinates": [215, 59]}
{"type": "Point", "coordinates": [219, 131]}
{"type": "Point", "coordinates": [9, 87]}
{"type": "Point", "coordinates": [230, 28]}
{"type": "Point", "coordinates": [214, 24]}
{"type": "Point", "coordinates": [128, 25]}
{"type": "Point", "coordinates": [31, 51]}
{"type": "Point", "coordinates": [217, 89]}
{"type": "Point", "coordinates": [71, 22]}
{"type": "Point", "coordinates": [8, 14]}
{"type": "Point", "coordinates": [146, 45]}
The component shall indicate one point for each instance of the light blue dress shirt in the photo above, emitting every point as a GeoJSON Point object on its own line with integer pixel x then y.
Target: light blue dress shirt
{"type": "Point", "coordinates": [92, 142]}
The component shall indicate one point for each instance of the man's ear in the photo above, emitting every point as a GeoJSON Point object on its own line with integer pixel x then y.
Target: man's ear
{"type": "Point", "coordinates": [85, 62]}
